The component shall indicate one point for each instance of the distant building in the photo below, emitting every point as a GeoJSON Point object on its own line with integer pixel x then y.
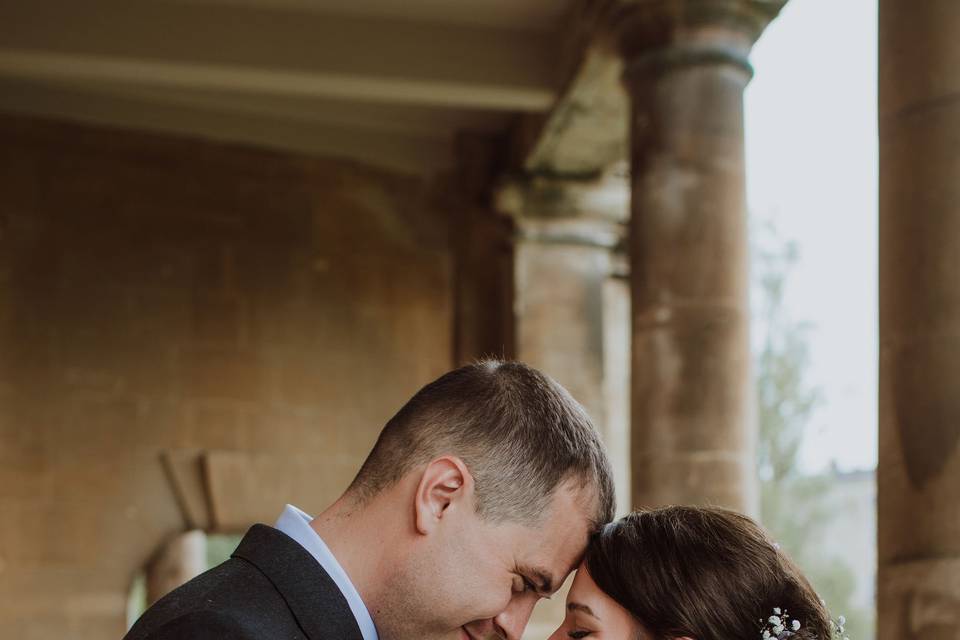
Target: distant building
{"type": "Point", "coordinates": [851, 531]}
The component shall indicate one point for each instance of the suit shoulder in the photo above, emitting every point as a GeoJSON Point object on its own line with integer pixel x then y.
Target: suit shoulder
{"type": "Point", "coordinates": [203, 624]}
{"type": "Point", "coordinates": [225, 602]}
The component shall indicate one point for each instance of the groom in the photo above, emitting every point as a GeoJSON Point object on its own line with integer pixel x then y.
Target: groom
{"type": "Point", "coordinates": [476, 501]}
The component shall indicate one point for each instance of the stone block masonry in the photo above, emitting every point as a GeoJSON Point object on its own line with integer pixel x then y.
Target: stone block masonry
{"type": "Point", "coordinates": [160, 294]}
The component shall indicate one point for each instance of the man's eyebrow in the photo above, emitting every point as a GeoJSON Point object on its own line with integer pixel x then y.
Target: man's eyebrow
{"type": "Point", "coordinates": [576, 606]}
{"type": "Point", "coordinates": [544, 582]}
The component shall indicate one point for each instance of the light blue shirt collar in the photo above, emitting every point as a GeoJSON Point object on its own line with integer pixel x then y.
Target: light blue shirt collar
{"type": "Point", "coordinates": [296, 524]}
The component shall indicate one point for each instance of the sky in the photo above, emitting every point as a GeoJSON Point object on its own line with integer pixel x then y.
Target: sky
{"type": "Point", "coordinates": [811, 150]}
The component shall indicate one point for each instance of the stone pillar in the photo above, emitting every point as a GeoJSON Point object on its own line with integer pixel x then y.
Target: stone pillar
{"type": "Point", "coordinates": [918, 476]}
{"type": "Point", "coordinates": [569, 309]}
{"type": "Point", "coordinates": [685, 69]}
{"type": "Point", "coordinates": [180, 560]}
{"type": "Point", "coordinates": [567, 233]}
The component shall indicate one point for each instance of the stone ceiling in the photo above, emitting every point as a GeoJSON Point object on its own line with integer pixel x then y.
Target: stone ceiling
{"type": "Point", "coordinates": [379, 81]}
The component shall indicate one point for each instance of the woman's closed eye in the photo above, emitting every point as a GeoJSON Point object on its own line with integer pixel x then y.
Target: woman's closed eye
{"type": "Point", "coordinates": [579, 633]}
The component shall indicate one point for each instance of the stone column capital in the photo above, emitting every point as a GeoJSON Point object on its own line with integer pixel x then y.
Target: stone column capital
{"type": "Point", "coordinates": [605, 198]}
{"type": "Point", "coordinates": [656, 35]}
{"type": "Point", "coordinates": [567, 210]}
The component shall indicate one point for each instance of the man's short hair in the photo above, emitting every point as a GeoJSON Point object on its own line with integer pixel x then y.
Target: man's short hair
{"type": "Point", "coordinates": [518, 431]}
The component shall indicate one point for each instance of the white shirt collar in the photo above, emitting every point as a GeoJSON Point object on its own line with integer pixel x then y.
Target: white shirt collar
{"type": "Point", "coordinates": [296, 524]}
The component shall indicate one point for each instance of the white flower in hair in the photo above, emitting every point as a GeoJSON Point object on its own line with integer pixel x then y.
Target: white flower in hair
{"type": "Point", "coordinates": [838, 629]}
{"type": "Point", "coordinates": [779, 626]}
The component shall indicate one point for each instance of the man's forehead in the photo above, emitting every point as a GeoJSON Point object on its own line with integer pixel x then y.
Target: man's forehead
{"type": "Point", "coordinates": [568, 523]}
{"type": "Point", "coordinates": [555, 545]}
{"type": "Point", "coordinates": [550, 575]}
{"type": "Point", "coordinates": [556, 550]}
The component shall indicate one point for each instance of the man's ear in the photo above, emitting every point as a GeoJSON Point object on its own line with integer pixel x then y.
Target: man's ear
{"type": "Point", "coordinates": [445, 482]}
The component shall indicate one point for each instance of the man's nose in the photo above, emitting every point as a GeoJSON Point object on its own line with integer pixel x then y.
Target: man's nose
{"type": "Point", "coordinates": [513, 620]}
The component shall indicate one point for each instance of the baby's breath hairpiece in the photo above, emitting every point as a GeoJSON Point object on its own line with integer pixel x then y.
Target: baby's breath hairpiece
{"type": "Point", "coordinates": [837, 628]}
{"type": "Point", "coordinates": [779, 626]}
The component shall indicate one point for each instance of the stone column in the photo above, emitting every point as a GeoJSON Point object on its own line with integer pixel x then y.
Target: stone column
{"type": "Point", "coordinates": [685, 69]}
{"type": "Point", "coordinates": [567, 233]}
{"type": "Point", "coordinates": [569, 309]}
{"type": "Point", "coordinates": [918, 475]}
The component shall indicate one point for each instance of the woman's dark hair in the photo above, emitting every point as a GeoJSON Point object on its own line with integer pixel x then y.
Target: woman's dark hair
{"type": "Point", "coordinates": [703, 573]}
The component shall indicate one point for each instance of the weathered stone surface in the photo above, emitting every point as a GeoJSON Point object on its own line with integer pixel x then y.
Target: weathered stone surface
{"type": "Point", "coordinates": [185, 472]}
{"type": "Point", "coordinates": [918, 511]}
{"type": "Point", "coordinates": [918, 174]}
{"type": "Point", "coordinates": [706, 478]}
{"type": "Point", "coordinates": [616, 381]}
{"type": "Point", "coordinates": [565, 247]}
{"type": "Point", "coordinates": [655, 26]}
{"type": "Point", "coordinates": [591, 200]}
{"type": "Point", "coordinates": [919, 466]}
{"type": "Point", "coordinates": [685, 70]}
{"type": "Point", "coordinates": [691, 374]}
{"type": "Point", "coordinates": [919, 598]}
{"type": "Point", "coordinates": [560, 316]}
{"type": "Point", "coordinates": [920, 378]}
{"type": "Point", "coordinates": [919, 56]}
{"type": "Point", "coordinates": [483, 263]}
{"type": "Point", "coordinates": [585, 131]}
{"type": "Point", "coordinates": [246, 487]}
{"type": "Point", "coordinates": [158, 294]}
{"type": "Point", "coordinates": [568, 234]}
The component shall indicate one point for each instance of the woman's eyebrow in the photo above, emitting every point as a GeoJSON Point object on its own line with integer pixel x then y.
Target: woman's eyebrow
{"type": "Point", "coordinates": [576, 606]}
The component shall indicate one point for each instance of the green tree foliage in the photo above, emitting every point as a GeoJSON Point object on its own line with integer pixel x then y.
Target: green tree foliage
{"type": "Point", "coordinates": [792, 507]}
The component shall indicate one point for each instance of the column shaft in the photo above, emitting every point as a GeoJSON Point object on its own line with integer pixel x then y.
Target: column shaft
{"type": "Point", "coordinates": [571, 311]}
{"type": "Point", "coordinates": [569, 306]}
{"type": "Point", "coordinates": [566, 308]}
{"type": "Point", "coordinates": [685, 71]}
{"type": "Point", "coordinates": [919, 467]}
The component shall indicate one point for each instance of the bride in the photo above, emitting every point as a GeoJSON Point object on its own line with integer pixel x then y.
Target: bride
{"type": "Point", "coordinates": [694, 573]}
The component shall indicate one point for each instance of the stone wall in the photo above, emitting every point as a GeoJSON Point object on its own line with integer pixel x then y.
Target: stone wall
{"type": "Point", "coordinates": [161, 295]}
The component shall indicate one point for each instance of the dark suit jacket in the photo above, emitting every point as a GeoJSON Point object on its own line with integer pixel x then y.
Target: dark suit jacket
{"type": "Point", "coordinates": [270, 588]}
